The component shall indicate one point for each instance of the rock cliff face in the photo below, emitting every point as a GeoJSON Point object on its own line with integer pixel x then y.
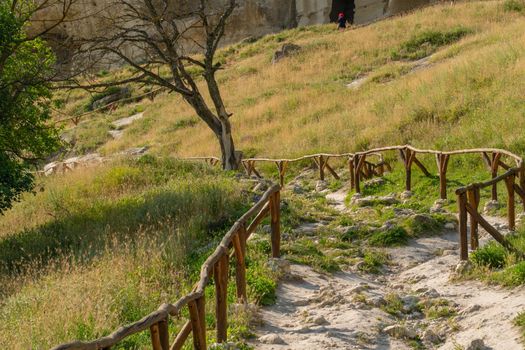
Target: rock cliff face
{"type": "Point", "coordinates": [254, 18]}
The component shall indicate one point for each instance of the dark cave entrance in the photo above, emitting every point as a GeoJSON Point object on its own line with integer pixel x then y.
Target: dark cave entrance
{"type": "Point", "coordinates": [345, 6]}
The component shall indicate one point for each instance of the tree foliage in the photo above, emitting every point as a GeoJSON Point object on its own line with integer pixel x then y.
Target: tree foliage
{"type": "Point", "coordinates": [26, 65]}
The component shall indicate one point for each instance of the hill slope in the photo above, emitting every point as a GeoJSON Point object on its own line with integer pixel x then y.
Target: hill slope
{"type": "Point", "coordinates": [472, 88]}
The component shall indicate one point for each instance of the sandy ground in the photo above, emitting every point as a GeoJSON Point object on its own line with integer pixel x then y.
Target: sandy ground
{"type": "Point", "coordinates": [317, 311]}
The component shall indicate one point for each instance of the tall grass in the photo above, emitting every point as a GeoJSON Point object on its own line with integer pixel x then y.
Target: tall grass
{"type": "Point", "coordinates": [302, 105]}
{"type": "Point", "coordinates": [105, 252]}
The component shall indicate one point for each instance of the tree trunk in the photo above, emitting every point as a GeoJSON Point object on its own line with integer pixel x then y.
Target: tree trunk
{"type": "Point", "coordinates": [229, 156]}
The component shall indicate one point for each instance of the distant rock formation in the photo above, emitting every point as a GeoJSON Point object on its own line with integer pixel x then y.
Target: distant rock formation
{"type": "Point", "coordinates": [253, 18]}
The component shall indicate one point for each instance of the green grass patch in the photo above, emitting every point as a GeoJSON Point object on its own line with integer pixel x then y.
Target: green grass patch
{"type": "Point", "coordinates": [373, 261]}
{"type": "Point", "coordinates": [514, 6]}
{"type": "Point", "coordinates": [520, 322]}
{"type": "Point", "coordinates": [395, 236]}
{"type": "Point", "coordinates": [494, 264]}
{"type": "Point", "coordinates": [427, 42]}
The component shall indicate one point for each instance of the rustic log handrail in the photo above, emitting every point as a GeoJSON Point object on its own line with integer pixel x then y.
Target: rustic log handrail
{"type": "Point", "coordinates": [215, 266]}
{"type": "Point", "coordinates": [368, 169]}
{"type": "Point", "coordinates": [468, 202]}
{"type": "Point", "coordinates": [468, 196]}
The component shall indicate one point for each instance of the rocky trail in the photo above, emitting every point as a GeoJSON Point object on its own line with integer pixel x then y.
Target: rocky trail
{"type": "Point", "coordinates": [413, 304]}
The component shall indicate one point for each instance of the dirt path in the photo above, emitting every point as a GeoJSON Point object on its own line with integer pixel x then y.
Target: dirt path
{"type": "Point", "coordinates": [346, 310]}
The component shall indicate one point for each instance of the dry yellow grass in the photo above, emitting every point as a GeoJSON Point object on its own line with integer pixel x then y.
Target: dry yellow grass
{"type": "Point", "coordinates": [302, 105]}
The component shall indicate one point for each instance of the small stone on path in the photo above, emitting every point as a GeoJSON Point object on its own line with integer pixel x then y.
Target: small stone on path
{"type": "Point", "coordinates": [271, 339]}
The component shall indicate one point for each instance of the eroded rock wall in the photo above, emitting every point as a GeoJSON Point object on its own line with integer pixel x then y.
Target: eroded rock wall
{"type": "Point", "coordinates": [253, 18]}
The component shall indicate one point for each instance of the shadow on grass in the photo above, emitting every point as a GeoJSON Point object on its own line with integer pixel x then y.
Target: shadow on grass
{"type": "Point", "coordinates": [84, 235]}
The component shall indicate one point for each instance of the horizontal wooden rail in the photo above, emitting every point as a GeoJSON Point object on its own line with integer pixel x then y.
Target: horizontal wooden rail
{"type": "Point", "coordinates": [216, 267]}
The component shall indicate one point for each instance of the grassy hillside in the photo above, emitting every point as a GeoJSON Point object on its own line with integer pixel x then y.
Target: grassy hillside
{"type": "Point", "coordinates": [104, 246]}
{"type": "Point", "coordinates": [471, 95]}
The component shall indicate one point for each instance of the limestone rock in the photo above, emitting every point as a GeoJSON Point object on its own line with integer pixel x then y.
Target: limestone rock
{"type": "Point", "coordinates": [122, 93]}
{"type": "Point", "coordinates": [320, 320]}
{"type": "Point", "coordinates": [320, 186]}
{"type": "Point", "coordinates": [491, 206]}
{"type": "Point", "coordinates": [280, 266]}
{"type": "Point", "coordinates": [406, 194]}
{"type": "Point", "coordinates": [430, 293]}
{"type": "Point", "coordinates": [271, 339]}
{"type": "Point", "coordinates": [463, 267]}
{"type": "Point", "coordinates": [378, 181]}
{"type": "Point", "coordinates": [450, 226]}
{"type": "Point", "coordinates": [116, 134]}
{"type": "Point", "coordinates": [286, 50]}
{"type": "Point", "coordinates": [124, 122]}
{"type": "Point", "coordinates": [470, 309]}
{"type": "Point", "coordinates": [400, 332]}
{"type": "Point", "coordinates": [477, 344]}
{"type": "Point", "coordinates": [430, 336]}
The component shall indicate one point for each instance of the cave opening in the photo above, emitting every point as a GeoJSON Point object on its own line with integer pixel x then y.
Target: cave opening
{"type": "Point", "coordinates": [345, 6]}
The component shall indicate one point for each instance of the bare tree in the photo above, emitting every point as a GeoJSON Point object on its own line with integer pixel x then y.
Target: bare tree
{"type": "Point", "coordinates": [182, 36]}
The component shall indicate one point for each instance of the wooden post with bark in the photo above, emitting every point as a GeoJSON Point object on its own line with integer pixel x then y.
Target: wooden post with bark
{"type": "Point", "coordinates": [442, 163]}
{"type": "Point", "coordinates": [198, 323]}
{"type": "Point", "coordinates": [239, 246]}
{"type": "Point", "coordinates": [511, 209]}
{"type": "Point", "coordinates": [462, 227]}
{"type": "Point", "coordinates": [408, 156]}
{"type": "Point", "coordinates": [220, 275]}
{"type": "Point", "coordinates": [275, 218]}
{"type": "Point", "coordinates": [494, 173]}
{"type": "Point", "coordinates": [351, 171]}
{"type": "Point", "coordinates": [473, 197]}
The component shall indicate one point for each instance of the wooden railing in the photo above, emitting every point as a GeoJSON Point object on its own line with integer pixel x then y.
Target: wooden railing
{"type": "Point", "coordinates": [216, 267]}
{"type": "Point", "coordinates": [360, 166]}
{"type": "Point", "coordinates": [468, 198]}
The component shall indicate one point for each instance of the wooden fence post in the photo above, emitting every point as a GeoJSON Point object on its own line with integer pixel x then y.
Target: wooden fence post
{"type": "Point", "coordinates": [220, 275]}
{"type": "Point", "coordinates": [352, 173]}
{"type": "Point", "coordinates": [494, 173]}
{"type": "Point", "coordinates": [473, 197]}
{"type": "Point", "coordinates": [155, 337]}
{"type": "Point", "coordinates": [511, 210]}
{"type": "Point", "coordinates": [281, 167]}
{"type": "Point", "coordinates": [462, 228]}
{"type": "Point", "coordinates": [239, 246]}
{"type": "Point", "coordinates": [442, 163]}
{"type": "Point", "coordinates": [359, 161]}
{"type": "Point", "coordinates": [407, 155]}
{"type": "Point", "coordinates": [321, 168]}
{"type": "Point", "coordinates": [198, 323]}
{"type": "Point", "coordinates": [182, 336]}
{"type": "Point", "coordinates": [275, 218]}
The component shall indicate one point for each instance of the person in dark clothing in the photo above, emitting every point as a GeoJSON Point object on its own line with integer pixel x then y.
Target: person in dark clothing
{"type": "Point", "coordinates": [341, 22]}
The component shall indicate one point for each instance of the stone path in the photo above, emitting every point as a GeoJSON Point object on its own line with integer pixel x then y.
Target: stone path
{"type": "Point", "coordinates": [344, 310]}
